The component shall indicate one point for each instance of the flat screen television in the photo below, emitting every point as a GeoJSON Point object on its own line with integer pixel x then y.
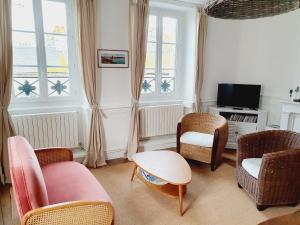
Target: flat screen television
{"type": "Point", "coordinates": [239, 95]}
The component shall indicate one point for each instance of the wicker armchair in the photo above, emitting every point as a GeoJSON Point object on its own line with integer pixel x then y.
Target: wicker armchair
{"type": "Point", "coordinates": [210, 134]}
{"type": "Point", "coordinates": [277, 181]}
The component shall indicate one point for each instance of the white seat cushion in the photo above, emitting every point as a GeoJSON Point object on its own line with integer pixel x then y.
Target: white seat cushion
{"type": "Point", "coordinates": [196, 138]}
{"type": "Point", "coordinates": [252, 166]}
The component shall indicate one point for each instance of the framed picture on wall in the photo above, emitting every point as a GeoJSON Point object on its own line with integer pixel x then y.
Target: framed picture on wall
{"type": "Point", "coordinates": [113, 58]}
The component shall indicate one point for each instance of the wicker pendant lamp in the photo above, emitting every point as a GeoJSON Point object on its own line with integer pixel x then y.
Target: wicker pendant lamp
{"type": "Point", "coordinates": [249, 9]}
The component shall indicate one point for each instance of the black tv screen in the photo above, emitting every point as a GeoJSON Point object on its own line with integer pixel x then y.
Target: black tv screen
{"type": "Point", "coordinates": [239, 95]}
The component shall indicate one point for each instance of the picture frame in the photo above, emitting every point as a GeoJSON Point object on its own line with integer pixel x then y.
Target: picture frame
{"type": "Point", "coordinates": [112, 58]}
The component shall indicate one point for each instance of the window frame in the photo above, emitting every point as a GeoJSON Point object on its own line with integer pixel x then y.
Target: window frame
{"type": "Point", "coordinates": [44, 99]}
{"type": "Point", "coordinates": [158, 95]}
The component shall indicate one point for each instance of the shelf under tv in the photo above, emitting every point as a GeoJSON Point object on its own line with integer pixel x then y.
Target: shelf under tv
{"type": "Point", "coordinates": [241, 122]}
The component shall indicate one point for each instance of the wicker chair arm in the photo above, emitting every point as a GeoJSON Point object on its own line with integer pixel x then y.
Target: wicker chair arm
{"type": "Point", "coordinates": [75, 213]}
{"type": "Point", "coordinates": [178, 135]}
{"type": "Point", "coordinates": [220, 141]}
{"type": "Point", "coordinates": [281, 163]}
{"type": "Point", "coordinates": [223, 134]}
{"type": "Point", "coordinates": [256, 144]}
{"type": "Point", "coordinates": [52, 155]}
{"type": "Point", "coordinates": [280, 173]}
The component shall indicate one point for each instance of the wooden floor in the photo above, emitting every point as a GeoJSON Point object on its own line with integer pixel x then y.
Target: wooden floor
{"type": "Point", "coordinates": [7, 217]}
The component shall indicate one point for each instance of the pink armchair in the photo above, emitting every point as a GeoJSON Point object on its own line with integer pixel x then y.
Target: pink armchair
{"type": "Point", "coordinates": [50, 188]}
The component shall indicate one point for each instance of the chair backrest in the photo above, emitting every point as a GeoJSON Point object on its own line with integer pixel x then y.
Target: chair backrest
{"type": "Point", "coordinates": [202, 122]}
{"type": "Point", "coordinates": [26, 175]}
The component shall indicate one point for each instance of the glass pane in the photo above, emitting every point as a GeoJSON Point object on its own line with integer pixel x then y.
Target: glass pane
{"type": "Point", "coordinates": [54, 17]}
{"type": "Point", "coordinates": [26, 87]}
{"type": "Point", "coordinates": [58, 86]}
{"type": "Point", "coordinates": [169, 30]}
{"type": "Point", "coordinates": [151, 56]}
{"type": "Point", "coordinates": [168, 56]}
{"type": "Point", "coordinates": [22, 15]}
{"type": "Point", "coordinates": [24, 48]}
{"type": "Point", "coordinates": [167, 85]}
{"type": "Point", "coordinates": [168, 73]}
{"type": "Point", "coordinates": [150, 73]}
{"type": "Point", "coordinates": [152, 28]}
{"type": "Point", "coordinates": [22, 72]}
{"type": "Point", "coordinates": [56, 50]}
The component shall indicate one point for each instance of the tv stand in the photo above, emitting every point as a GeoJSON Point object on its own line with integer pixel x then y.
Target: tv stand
{"type": "Point", "coordinates": [238, 108]}
{"type": "Point", "coordinates": [241, 121]}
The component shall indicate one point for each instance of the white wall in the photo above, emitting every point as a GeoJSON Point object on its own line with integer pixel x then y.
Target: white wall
{"type": "Point", "coordinates": [112, 33]}
{"type": "Point", "coordinates": [189, 57]}
{"type": "Point", "coordinates": [269, 53]}
{"type": "Point", "coordinates": [261, 51]}
{"type": "Point", "coordinates": [221, 53]}
{"type": "Point", "coordinates": [114, 94]}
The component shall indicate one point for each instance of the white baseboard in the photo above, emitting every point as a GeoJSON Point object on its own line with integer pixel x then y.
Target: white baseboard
{"type": "Point", "coordinates": [115, 154]}
{"type": "Point", "coordinates": [152, 144]}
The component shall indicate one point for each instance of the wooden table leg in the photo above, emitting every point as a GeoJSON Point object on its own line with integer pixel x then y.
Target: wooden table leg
{"type": "Point", "coordinates": [180, 199]}
{"type": "Point", "coordinates": [134, 171]}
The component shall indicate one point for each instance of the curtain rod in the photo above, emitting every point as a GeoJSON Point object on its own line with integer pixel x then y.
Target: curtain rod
{"type": "Point", "coordinates": [179, 3]}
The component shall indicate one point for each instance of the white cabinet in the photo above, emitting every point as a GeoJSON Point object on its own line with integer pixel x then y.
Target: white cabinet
{"type": "Point", "coordinates": [246, 121]}
{"type": "Point", "coordinates": [290, 116]}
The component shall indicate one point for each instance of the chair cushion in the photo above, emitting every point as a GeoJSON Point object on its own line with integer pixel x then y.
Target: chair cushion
{"type": "Point", "coordinates": [71, 181]}
{"type": "Point", "coordinates": [26, 175]}
{"type": "Point", "coordinates": [196, 138]}
{"type": "Point", "coordinates": [252, 166]}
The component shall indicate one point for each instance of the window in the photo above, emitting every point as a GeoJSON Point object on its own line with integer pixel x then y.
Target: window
{"type": "Point", "coordinates": [43, 61]}
{"type": "Point", "coordinates": [162, 47]}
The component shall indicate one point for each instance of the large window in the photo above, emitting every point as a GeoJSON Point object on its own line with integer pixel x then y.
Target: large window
{"type": "Point", "coordinates": [160, 70]}
{"type": "Point", "coordinates": [43, 45]}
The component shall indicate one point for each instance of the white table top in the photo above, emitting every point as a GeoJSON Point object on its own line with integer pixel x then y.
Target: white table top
{"type": "Point", "coordinates": [166, 165]}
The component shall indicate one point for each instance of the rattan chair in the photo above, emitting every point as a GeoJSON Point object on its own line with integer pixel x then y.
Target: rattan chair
{"type": "Point", "coordinates": [277, 181]}
{"type": "Point", "coordinates": [210, 134]}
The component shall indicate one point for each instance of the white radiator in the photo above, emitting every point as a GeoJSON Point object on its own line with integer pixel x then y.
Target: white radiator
{"type": "Point", "coordinates": [159, 120]}
{"type": "Point", "coordinates": [48, 129]}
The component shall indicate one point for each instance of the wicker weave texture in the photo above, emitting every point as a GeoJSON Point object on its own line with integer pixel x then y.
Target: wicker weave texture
{"type": "Point", "coordinates": [249, 9]}
{"type": "Point", "coordinates": [196, 152]}
{"type": "Point", "coordinates": [279, 178]}
{"type": "Point", "coordinates": [201, 122]}
{"type": "Point", "coordinates": [204, 123]}
{"type": "Point", "coordinates": [75, 214]}
{"type": "Point", "coordinates": [53, 155]}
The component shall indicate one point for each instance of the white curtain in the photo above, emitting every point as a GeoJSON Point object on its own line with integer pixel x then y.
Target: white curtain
{"type": "Point", "coordinates": [139, 10]}
{"type": "Point", "coordinates": [86, 13]}
{"type": "Point", "coordinates": [200, 63]}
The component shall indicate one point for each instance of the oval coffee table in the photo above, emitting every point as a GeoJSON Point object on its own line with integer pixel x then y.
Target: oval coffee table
{"type": "Point", "coordinates": [166, 171]}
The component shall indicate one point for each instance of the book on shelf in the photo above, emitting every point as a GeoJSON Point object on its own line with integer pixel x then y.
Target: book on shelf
{"type": "Point", "coordinates": [243, 118]}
